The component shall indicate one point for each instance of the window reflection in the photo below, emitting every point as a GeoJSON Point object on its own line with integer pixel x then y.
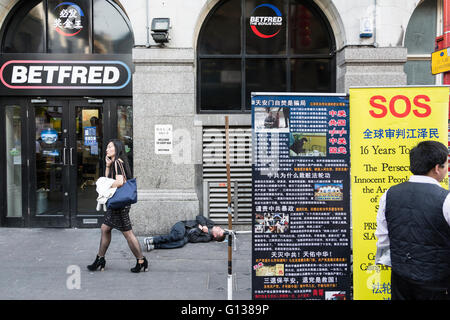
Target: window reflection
{"type": "Point", "coordinates": [26, 32]}
{"type": "Point", "coordinates": [111, 32]}
{"type": "Point", "coordinates": [225, 21]}
{"type": "Point", "coordinates": [257, 79]}
{"type": "Point", "coordinates": [125, 130]}
{"type": "Point", "coordinates": [49, 160]}
{"type": "Point", "coordinates": [90, 155]}
{"type": "Point", "coordinates": [308, 33]}
{"type": "Point", "coordinates": [13, 161]}
{"type": "Point", "coordinates": [66, 28]}
{"type": "Point", "coordinates": [221, 84]}
{"type": "Point", "coordinates": [311, 75]}
{"type": "Point", "coordinates": [285, 45]}
{"type": "Point", "coordinates": [419, 40]}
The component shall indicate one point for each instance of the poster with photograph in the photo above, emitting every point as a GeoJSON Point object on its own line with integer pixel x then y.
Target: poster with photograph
{"type": "Point", "coordinates": [301, 197]}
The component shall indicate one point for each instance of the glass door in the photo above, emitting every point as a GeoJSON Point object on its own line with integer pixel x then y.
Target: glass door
{"type": "Point", "coordinates": [87, 160]}
{"type": "Point", "coordinates": [49, 165]}
{"type": "Point", "coordinates": [68, 136]}
{"type": "Point", "coordinates": [52, 154]}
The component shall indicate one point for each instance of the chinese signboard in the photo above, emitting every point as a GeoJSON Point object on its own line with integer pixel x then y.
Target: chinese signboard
{"type": "Point", "coordinates": [301, 197]}
{"type": "Point", "coordinates": [390, 121]}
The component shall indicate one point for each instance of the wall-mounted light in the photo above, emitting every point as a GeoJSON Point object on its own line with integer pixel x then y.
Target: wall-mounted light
{"type": "Point", "coordinates": [160, 30]}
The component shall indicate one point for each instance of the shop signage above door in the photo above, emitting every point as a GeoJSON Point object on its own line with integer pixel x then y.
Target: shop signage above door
{"type": "Point", "coordinates": [64, 74]}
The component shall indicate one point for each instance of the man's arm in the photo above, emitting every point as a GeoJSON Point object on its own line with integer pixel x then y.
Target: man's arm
{"type": "Point", "coordinates": [198, 235]}
{"type": "Point", "coordinates": [383, 254]}
{"type": "Point", "coordinates": [446, 209]}
{"type": "Point", "coordinates": [204, 221]}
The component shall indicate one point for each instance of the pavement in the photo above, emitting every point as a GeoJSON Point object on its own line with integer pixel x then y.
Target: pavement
{"type": "Point", "coordinates": [50, 264]}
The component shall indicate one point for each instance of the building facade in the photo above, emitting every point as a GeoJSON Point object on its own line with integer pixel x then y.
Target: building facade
{"type": "Point", "coordinates": [76, 74]}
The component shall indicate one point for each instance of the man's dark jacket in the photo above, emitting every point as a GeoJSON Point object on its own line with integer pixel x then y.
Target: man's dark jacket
{"type": "Point", "coordinates": [194, 234]}
{"type": "Point", "coordinates": [418, 232]}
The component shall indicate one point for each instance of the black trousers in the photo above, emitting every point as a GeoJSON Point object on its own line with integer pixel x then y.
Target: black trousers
{"type": "Point", "coordinates": [403, 289]}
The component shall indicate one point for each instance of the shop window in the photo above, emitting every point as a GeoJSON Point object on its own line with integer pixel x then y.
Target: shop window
{"type": "Point", "coordinates": [26, 32]}
{"type": "Point", "coordinates": [13, 161]}
{"type": "Point", "coordinates": [245, 46]}
{"type": "Point", "coordinates": [53, 26]}
{"type": "Point", "coordinates": [125, 130]}
{"type": "Point", "coordinates": [420, 41]}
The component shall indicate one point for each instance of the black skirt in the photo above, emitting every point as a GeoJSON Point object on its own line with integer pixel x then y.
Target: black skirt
{"type": "Point", "coordinates": [118, 219]}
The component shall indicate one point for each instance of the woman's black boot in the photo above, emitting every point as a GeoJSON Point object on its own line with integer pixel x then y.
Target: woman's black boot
{"type": "Point", "coordinates": [99, 262]}
{"type": "Point", "coordinates": [140, 266]}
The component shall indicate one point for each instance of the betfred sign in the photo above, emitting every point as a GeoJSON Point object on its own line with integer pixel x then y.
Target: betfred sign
{"type": "Point", "coordinates": [66, 75]}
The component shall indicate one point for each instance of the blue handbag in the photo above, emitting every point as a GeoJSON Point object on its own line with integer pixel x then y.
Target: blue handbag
{"type": "Point", "coordinates": [125, 195]}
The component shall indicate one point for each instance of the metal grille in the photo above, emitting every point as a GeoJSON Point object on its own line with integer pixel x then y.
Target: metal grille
{"type": "Point", "coordinates": [215, 173]}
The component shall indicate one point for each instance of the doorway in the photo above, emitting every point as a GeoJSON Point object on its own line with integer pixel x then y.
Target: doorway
{"type": "Point", "coordinates": [62, 143]}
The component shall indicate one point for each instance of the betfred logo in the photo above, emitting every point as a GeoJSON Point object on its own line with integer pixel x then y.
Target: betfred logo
{"type": "Point", "coordinates": [266, 21]}
{"type": "Point", "coordinates": [42, 74]}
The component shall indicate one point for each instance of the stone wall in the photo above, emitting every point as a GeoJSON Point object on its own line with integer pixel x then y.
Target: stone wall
{"type": "Point", "coordinates": [163, 93]}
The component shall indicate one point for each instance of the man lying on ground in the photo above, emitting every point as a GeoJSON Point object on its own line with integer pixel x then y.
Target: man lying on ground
{"type": "Point", "coordinates": [199, 230]}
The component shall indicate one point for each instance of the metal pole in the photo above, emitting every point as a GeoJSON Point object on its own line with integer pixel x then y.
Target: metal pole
{"type": "Point", "coordinates": [446, 29]}
{"type": "Point", "coordinates": [230, 238]}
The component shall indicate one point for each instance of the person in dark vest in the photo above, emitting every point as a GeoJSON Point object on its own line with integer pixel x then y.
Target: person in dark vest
{"type": "Point", "coordinates": [413, 228]}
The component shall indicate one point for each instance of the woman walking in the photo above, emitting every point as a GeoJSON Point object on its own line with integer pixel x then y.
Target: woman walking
{"type": "Point", "coordinates": [117, 168]}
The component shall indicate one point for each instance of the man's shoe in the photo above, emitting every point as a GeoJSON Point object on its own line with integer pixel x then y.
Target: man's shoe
{"type": "Point", "coordinates": [148, 240]}
{"type": "Point", "coordinates": [149, 243]}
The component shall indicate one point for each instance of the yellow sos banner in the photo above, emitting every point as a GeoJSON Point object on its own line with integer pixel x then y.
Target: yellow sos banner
{"type": "Point", "coordinates": [385, 124]}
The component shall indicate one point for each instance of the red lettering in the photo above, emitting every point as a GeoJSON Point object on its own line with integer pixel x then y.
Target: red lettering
{"type": "Point", "coordinates": [392, 106]}
{"type": "Point", "coordinates": [378, 106]}
{"type": "Point", "coordinates": [423, 110]}
{"type": "Point", "coordinates": [422, 105]}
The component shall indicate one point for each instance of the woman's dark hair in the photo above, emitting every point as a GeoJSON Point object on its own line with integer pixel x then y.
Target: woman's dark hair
{"type": "Point", "coordinates": [426, 155]}
{"type": "Point", "coordinates": [121, 154]}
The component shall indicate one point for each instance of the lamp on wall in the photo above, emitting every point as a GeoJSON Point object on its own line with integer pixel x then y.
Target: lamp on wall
{"type": "Point", "coordinates": [160, 30]}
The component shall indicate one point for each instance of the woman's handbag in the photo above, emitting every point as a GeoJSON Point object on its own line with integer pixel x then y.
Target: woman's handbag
{"type": "Point", "coordinates": [125, 195]}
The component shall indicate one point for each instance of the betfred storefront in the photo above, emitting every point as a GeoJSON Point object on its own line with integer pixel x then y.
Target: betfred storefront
{"type": "Point", "coordinates": [66, 89]}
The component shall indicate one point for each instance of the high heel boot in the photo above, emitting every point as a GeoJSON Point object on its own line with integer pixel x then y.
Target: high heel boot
{"type": "Point", "coordinates": [99, 262]}
{"type": "Point", "coordinates": [140, 266]}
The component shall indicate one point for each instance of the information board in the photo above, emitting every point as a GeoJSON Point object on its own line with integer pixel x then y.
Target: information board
{"type": "Point", "coordinates": [301, 196]}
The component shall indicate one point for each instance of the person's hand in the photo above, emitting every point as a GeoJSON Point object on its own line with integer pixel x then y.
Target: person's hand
{"type": "Point", "coordinates": [108, 161]}
{"type": "Point", "coordinates": [205, 229]}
